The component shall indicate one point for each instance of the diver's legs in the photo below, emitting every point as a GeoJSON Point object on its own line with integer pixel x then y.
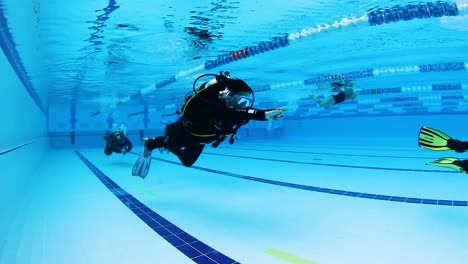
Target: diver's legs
{"type": "Point", "coordinates": [175, 131]}
{"type": "Point", "coordinates": [187, 155]}
{"type": "Point", "coordinates": [457, 145]}
{"type": "Point", "coordinates": [178, 141]}
{"type": "Point", "coordinates": [154, 143]}
{"type": "Point", "coordinates": [462, 164]}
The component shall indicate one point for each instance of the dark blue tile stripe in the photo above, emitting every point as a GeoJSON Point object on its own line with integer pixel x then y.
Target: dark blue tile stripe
{"type": "Point", "coordinates": [17, 147]}
{"type": "Point", "coordinates": [389, 198]}
{"type": "Point", "coordinates": [193, 248]}
{"type": "Point", "coordinates": [9, 49]}
{"type": "Point", "coordinates": [329, 154]}
{"type": "Point", "coordinates": [331, 165]}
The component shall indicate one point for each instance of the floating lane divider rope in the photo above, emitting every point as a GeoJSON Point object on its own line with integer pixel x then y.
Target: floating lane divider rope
{"type": "Point", "coordinates": [367, 73]}
{"type": "Point", "coordinates": [429, 97]}
{"type": "Point", "coordinates": [376, 17]}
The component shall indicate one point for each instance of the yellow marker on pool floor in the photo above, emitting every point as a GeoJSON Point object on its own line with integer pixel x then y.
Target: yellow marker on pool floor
{"type": "Point", "coordinates": [290, 258]}
{"type": "Point", "coordinates": [143, 189]}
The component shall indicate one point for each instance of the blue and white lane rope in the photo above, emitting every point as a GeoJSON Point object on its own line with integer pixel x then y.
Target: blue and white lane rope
{"type": "Point", "coordinates": [367, 73]}
{"type": "Point", "coordinates": [431, 98]}
{"type": "Point", "coordinates": [380, 16]}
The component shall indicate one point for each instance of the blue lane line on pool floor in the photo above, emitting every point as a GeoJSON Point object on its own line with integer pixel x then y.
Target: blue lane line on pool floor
{"type": "Point", "coordinates": [331, 154]}
{"type": "Point", "coordinates": [193, 248]}
{"type": "Point", "coordinates": [328, 147]}
{"type": "Point", "coordinates": [329, 164]}
{"type": "Point", "coordinates": [17, 147]}
{"type": "Point", "coordinates": [389, 198]}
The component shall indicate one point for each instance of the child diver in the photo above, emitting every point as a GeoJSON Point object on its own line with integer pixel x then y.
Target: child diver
{"type": "Point", "coordinates": [211, 113]}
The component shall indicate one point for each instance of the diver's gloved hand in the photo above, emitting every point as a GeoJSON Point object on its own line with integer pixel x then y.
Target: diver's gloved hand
{"type": "Point", "coordinates": [457, 145]}
{"type": "Point", "coordinates": [275, 114]}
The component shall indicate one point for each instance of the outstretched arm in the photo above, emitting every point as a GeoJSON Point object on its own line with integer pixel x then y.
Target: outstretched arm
{"type": "Point", "coordinates": [275, 114]}
{"type": "Point", "coordinates": [259, 114]}
{"type": "Point", "coordinates": [329, 101]}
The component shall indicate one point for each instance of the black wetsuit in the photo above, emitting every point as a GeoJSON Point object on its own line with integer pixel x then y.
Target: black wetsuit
{"type": "Point", "coordinates": [113, 144]}
{"type": "Point", "coordinates": [462, 164]}
{"type": "Point", "coordinates": [459, 146]}
{"type": "Point", "coordinates": [339, 97]}
{"type": "Point", "coordinates": [204, 120]}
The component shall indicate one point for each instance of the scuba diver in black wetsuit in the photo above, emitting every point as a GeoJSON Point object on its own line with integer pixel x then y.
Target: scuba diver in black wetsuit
{"type": "Point", "coordinates": [210, 114]}
{"type": "Point", "coordinates": [437, 140]}
{"type": "Point", "coordinates": [117, 142]}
